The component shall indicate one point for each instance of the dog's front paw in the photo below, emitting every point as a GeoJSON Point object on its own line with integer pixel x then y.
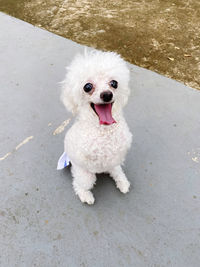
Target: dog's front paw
{"type": "Point", "coordinates": [86, 197]}
{"type": "Point", "coordinates": [123, 185]}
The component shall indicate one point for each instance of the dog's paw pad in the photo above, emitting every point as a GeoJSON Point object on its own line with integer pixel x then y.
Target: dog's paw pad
{"type": "Point", "coordinates": [86, 197]}
{"type": "Point", "coordinates": [123, 186]}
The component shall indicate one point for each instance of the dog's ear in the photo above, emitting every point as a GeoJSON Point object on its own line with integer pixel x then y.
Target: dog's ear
{"type": "Point", "coordinates": [68, 95]}
{"type": "Point", "coordinates": [68, 99]}
{"type": "Point", "coordinates": [122, 99]}
{"type": "Point", "coordinates": [124, 96]}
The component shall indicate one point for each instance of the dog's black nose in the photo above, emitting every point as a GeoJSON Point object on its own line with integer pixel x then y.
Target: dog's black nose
{"type": "Point", "coordinates": [106, 96]}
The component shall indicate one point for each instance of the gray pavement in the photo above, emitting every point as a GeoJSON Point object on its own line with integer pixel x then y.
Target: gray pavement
{"type": "Point", "coordinates": [42, 222]}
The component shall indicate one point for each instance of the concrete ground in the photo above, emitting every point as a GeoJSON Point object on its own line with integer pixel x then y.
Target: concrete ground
{"type": "Point", "coordinates": [42, 222]}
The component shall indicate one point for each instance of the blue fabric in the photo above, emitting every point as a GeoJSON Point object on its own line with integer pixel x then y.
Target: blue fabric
{"type": "Point", "coordinates": [63, 161]}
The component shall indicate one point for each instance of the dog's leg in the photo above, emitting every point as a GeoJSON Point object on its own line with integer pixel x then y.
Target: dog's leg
{"type": "Point", "coordinates": [83, 182]}
{"type": "Point", "coordinates": [120, 178]}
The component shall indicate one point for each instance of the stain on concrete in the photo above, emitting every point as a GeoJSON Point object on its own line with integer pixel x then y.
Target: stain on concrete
{"type": "Point", "coordinates": [5, 156]}
{"type": "Point", "coordinates": [61, 128]}
{"type": "Point", "coordinates": [26, 140]}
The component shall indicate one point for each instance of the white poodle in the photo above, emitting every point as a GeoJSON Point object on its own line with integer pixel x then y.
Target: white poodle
{"type": "Point", "coordinates": [96, 89]}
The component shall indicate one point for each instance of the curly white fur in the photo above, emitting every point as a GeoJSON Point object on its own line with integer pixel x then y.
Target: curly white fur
{"type": "Point", "coordinates": [92, 147]}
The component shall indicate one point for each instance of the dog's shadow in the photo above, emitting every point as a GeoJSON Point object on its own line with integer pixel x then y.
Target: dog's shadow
{"type": "Point", "coordinates": [103, 179]}
{"type": "Point", "coordinates": [103, 182]}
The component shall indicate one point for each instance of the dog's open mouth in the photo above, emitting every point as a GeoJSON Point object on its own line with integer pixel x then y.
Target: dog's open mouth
{"type": "Point", "coordinates": [104, 112]}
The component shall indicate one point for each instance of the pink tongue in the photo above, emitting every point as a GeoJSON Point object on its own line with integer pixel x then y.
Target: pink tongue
{"type": "Point", "coordinates": [104, 113]}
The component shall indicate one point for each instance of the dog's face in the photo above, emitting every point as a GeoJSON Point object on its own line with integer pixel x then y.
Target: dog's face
{"type": "Point", "coordinates": [101, 95]}
{"type": "Point", "coordinates": [98, 83]}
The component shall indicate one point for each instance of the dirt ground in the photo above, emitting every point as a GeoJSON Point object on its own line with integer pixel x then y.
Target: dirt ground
{"type": "Point", "coordinates": [160, 35]}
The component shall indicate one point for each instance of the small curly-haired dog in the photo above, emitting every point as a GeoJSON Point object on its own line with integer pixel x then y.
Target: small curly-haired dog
{"type": "Point", "coordinates": [96, 89]}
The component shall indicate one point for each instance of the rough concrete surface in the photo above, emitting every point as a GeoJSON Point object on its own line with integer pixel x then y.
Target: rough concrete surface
{"type": "Point", "coordinates": [159, 35]}
{"type": "Point", "coordinates": [42, 222]}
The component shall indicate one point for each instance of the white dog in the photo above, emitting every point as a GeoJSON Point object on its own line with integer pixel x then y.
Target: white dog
{"type": "Point", "coordinates": [96, 89]}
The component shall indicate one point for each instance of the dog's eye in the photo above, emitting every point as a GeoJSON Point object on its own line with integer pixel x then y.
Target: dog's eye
{"type": "Point", "coordinates": [88, 87]}
{"type": "Point", "coordinates": [114, 84]}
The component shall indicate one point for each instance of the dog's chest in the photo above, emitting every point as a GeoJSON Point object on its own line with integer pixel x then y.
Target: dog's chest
{"type": "Point", "coordinates": [105, 143]}
{"type": "Point", "coordinates": [98, 147]}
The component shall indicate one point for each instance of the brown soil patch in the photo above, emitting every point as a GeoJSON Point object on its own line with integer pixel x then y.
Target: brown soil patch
{"type": "Point", "coordinates": [163, 36]}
